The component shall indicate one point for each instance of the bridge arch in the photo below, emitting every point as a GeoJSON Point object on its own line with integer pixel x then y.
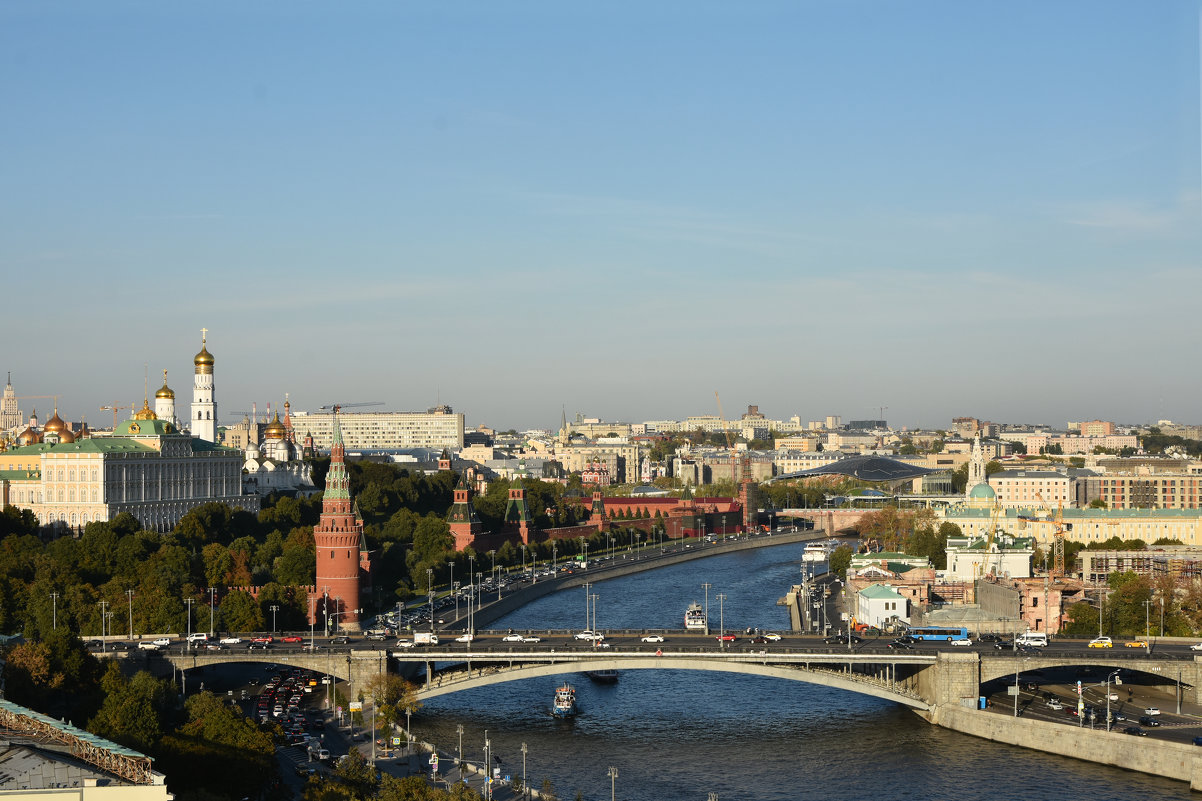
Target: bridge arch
{"type": "Point", "coordinates": [461, 677]}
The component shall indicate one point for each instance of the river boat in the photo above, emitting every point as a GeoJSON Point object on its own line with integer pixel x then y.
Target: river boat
{"type": "Point", "coordinates": [564, 705]}
{"type": "Point", "coordinates": [818, 551]}
{"type": "Point", "coordinates": [694, 617]}
{"type": "Point", "coordinates": [602, 676]}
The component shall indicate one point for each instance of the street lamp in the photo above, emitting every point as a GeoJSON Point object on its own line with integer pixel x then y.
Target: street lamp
{"type": "Point", "coordinates": [721, 619]}
{"type": "Point", "coordinates": [525, 789]}
{"type": "Point", "coordinates": [102, 606]}
{"type": "Point", "coordinates": [586, 589]}
{"type": "Point", "coordinates": [594, 598]}
{"type": "Point", "coordinates": [1147, 625]}
{"type": "Point", "coordinates": [706, 586]}
{"type": "Point", "coordinates": [430, 592]}
{"type": "Point", "coordinates": [479, 591]}
{"type": "Point", "coordinates": [130, 595]}
{"type": "Point", "coordinates": [274, 608]}
{"type": "Point", "coordinates": [212, 596]}
{"type": "Point", "coordinates": [1114, 676]}
{"type": "Point", "coordinates": [488, 767]}
{"type": "Point", "coordinates": [613, 778]}
{"type": "Point", "coordinates": [459, 731]}
{"type": "Point", "coordinates": [189, 602]}
{"type": "Point", "coordinates": [54, 611]}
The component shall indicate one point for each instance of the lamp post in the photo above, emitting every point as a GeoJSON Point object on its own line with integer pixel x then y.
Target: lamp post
{"type": "Point", "coordinates": [488, 767]}
{"type": "Point", "coordinates": [275, 608]}
{"type": "Point", "coordinates": [1147, 625]}
{"type": "Point", "coordinates": [493, 573]}
{"type": "Point", "coordinates": [523, 547]}
{"type": "Point", "coordinates": [613, 779]}
{"type": "Point", "coordinates": [525, 790]}
{"type": "Point", "coordinates": [586, 589]}
{"type": "Point", "coordinates": [459, 753]}
{"type": "Point", "coordinates": [594, 598]}
{"type": "Point", "coordinates": [130, 595]}
{"type": "Point", "coordinates": [1113, 675]}
{"type": "Point", "coordinates": [54, 611]}
{"type": "Point", "coordinates": [189, 602]}
{"type": "Point", "coordinates": [554, 558]}
{"type": "Point", "coordinates": [430, 593]}
{"type": "Point", "coordinates": [721, 619]}
{"type": "Point", "coordinates": [451, 584]}
{"type": "Point", "coordinates": [706, 586]}
{"type": "Point", "coordinates": [212, 598]}
{"type": "Point", "coordinates": [102, 605]}
{"type": "Point", "coordinates": [471, 571]}
{"type": "Point", "coordinates": [479, 591]}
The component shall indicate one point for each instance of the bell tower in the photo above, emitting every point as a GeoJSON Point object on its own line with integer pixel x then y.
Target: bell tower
{"type": "Point", "coordinates": [204, 405]}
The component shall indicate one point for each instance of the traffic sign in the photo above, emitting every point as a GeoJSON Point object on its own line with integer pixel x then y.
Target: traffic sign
{"type": "Point", "coordinates": [1078, 686]}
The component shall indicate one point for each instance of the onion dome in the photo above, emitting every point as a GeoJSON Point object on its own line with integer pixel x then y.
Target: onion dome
{"type": "Point", "coordinates": [204, 359]}
{"type": "Point", "coordinates": [66, 436]}
{"type": "Point", "coordinates": [275, 429]}
{"type": "Point", "coordinates": [165, 391]}
{"type": "Point", "coordinates": [145, 413]}
{"type": "Point", "coordinates": [54, 425]}
{"type": "Point", "coordinates": [28, 437]}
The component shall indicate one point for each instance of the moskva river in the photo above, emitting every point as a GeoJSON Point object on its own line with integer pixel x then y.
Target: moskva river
{"type": "Point", "coordinates": [685, 734]}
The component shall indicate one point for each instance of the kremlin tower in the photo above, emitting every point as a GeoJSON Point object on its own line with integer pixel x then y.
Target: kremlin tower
{"type": "Point", "coordinates": [338, 537]}
{"type": "Point", "coordinates": [204, 407]}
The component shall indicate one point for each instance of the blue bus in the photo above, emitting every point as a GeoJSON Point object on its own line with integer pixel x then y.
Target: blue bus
{"type": "Point", "coordinates": [946, 633]}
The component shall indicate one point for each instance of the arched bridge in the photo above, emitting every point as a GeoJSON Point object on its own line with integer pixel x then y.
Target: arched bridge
{"type": "Point", "coordinates": [886, 676]}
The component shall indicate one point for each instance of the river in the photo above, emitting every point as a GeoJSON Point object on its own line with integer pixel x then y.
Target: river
{"type": "Point", "coordinates": [684, 734]}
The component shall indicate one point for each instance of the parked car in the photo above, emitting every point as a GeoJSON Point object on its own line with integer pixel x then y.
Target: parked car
{"type": "Point", "coordinates": [653, 638]}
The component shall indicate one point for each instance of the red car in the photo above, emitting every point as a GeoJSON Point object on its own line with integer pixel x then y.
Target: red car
{"type": "Point", "coordinates": [263, 640]}
{"type": "Point", "coordinates": [726, 638]}
{"type": "Point", "coordinates": [292, 638]}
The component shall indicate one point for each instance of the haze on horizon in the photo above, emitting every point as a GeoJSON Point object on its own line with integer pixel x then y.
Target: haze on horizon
{"type": "Point", "coordinates": [982, 209]}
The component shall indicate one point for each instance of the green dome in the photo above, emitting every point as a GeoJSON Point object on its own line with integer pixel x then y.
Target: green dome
{"type": "Point", "coordinates": [983, 491]}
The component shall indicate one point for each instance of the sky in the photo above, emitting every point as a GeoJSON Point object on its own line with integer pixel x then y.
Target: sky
{"type": "Point", "coordinates": [941, 209]}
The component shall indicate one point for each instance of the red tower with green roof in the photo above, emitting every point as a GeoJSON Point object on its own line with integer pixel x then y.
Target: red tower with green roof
{"type": "Point", "coordinates": [338, 537]}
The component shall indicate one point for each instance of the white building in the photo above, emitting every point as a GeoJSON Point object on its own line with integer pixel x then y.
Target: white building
{"type": "Point", "coordinates": [436, 429]}
{"type": "Point", "coordinates": [203, 424]}
{"type": "Point", "coordinates": [879, 605]}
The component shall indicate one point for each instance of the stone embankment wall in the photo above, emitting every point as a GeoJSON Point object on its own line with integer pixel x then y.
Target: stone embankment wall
{"type": "Point", "coordinates": [1158, 757]}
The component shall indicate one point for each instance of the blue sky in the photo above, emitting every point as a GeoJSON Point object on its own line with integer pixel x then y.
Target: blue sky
{"type": "Point", "coordinates": [945, 208]}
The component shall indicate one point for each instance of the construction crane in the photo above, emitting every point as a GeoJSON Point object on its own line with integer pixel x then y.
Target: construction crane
{"type": "Point", "coordinates": [990, 538]}
{"type": "Point", "coordinates": [114, 408]}
{"type": "Point", "coordinates": [337, 407]}
{"type": "Point", "coordinates": [1058, 532]}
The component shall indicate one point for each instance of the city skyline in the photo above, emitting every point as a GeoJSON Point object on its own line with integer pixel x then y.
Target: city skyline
{"type": "Point", "coordinates": [817, 208]}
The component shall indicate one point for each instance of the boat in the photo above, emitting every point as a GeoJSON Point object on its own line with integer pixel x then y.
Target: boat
{"type": "Point", "coordinates": [564, 705]}
{"type": "Point", "coordinates": [818, 551]}
{"type": "Point", "coordinates": [694, 617]}
{"type": "Point", "coordinates": [602, 676]}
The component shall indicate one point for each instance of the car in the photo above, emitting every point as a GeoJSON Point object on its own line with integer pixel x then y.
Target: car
{"type": "Point", "coordinates": [292, 638]}
{"type": "Point", "coordinates": [759, 640]}
{"type": "Point", "coordinates": [1197, 741]}
{"type": "Point", "coordinates": [1055, 704]}
{"type": "Point", "coordinates": [594, 636]}
{"type": "Point", "coordinates": [512, 638]}
{"type": "Point", "coordinates": [726, 638]}
{"type": "Point", "coordinates": [213, 646]}
{"type": "Point", "coordinates": [1100, 642]}
{"type": "Point", "coordinates": [1137, 731]}
{"type": "Point", "coordinates": [1003, 645]}
{"type": "Point", "coordinates": [163, 642]}
{"type": "Point", "coordinates": [1136, 644]}
{"type": "Point", "coordinates": [898, 645]}
{"type": "Point", "coordinates": [404, 644]}
{"type": "Point", "coordinates": [262, 646]}
{"type": "Point", "coordinates": [1144, 720]}
{"type": "Point", "coordinates": [532, 639]}
{"type": "Point", "coordinates": [1196, 646]}
{"type": "Point", "coordinates": [989, 637]}
{"type": "Point", "coordinates": [1152, 710]}
{"type": "Point", "coordinates": [376, 635]}
{"type": "Point", "coordinates": [230, 641]}
{"type": "Point", "coordinates": [465, 638]}
{"type": "Point", "coordinates": [263, 640]}
{"type": "Point", "coordinates": [148, 646]}
{"type": "Point", "coordinates": [342, 640]}
{"type": "Point", "coordinates": [772, 637]}
{"type": "Point", "coordinates": [652, 638]}
{"type": "Point", "coordinates": [962, 641]}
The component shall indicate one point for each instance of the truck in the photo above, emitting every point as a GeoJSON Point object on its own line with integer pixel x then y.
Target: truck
{"type": "Point", "coordinates": [425, 638]}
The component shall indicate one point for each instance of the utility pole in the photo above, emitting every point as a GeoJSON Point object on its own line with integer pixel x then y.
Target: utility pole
{"type": "Point", "coordinates": [212, 597]}
{"type": "Point", "coordinates": [54, 611]}
{"type": "Point", "coordinates": [130, 594]}
{"type": "Point", "coordinates": [706, 586]}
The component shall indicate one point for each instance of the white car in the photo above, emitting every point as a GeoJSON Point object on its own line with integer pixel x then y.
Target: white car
{"type": "Point", "coordinates": [230, 640]}
{"type": "Point", "coordinates": [653, 638]}
{"type": "Point", "coordinates": [1152, 710]}
{"type": "Point", "coordinates": [404, 643]}
{"type": "Point", "coordinates": [1055, 704]}
{"type": "Point", "coordinates": [512, 638]}
{"type": "Point", "coordinates": [532, 639]}
{"type": "Point", "coordinates": [772, 637]}
{"type": "Point", "coordinates": [593, 636]}
{"type": "Point", "coordinates": [163, 642]}
{"type": "Point", "coordinates": [962, 641]}
{"type": "Point", "coordinates": [465, 638]}
{"type": "Point", "coordinates": [1196, 646]}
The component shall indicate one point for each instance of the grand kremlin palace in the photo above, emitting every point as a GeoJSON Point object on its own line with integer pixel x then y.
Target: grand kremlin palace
{"type": "Point", "coordinates": [147, 467]}
{"type": "Point", "coordinates": [1089, 526]}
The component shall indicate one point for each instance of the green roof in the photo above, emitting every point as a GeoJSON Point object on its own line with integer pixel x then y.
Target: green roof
{"type": "Point", "coordinates": [881, 592]}
{"type": "Point", "coordinates": [983, 491]}
{"type": "Point", "coordinates": [144, 428]}
{"type": "Point", "coordinates": [20, 475]}
{"type": "Point", "coordinates": [90, 445]}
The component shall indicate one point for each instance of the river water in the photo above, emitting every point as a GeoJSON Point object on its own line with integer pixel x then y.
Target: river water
{"type": "Point", "coordinates": [684, 734]}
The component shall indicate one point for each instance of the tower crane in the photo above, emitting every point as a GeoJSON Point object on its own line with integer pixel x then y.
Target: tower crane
{"type": "Point", "coordinates": [114, 408]}
{"type": "Point", "coordinates": [337, 407]}
{"type": "Point", "coordinates": [1058, 532]}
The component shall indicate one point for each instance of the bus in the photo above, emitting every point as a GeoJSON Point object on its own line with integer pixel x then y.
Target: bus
{"type": "Point", "coordinates": [946, 633]}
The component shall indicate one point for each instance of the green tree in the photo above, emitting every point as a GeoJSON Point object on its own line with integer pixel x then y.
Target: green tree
{"type": "Point", "coordinates": [136, 712]}
{"type": "Point", "coordinates": [1097, 503]}
{"type": "Point", "coordinates": [840, 560]}
{"type": "Point", "coordinates": [241, 612]}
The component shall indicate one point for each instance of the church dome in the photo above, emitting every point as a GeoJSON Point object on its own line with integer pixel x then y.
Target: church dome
{"type": "Point", "coordinates": [275, 429]}
{"type": "Point", "coordinates": [145, 413]}
{"type": "Point", "coordinates": [166, 391]}
{"type": "Point", "coordinates": [28, 437]}
{"type": "Point", "coordinates": [203, 360]}
{"type": "Point", "coordinates": [983, 491]}
{"type": "Point", "coordinates": [54, 425]}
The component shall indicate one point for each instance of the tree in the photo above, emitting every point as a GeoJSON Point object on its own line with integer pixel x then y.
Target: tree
{"type": "Point", "coordinates": [135, 712]}
{"type": "Point", "coordinates": [1097, 503]}
{"type": "Point", "coordinates": [240, 612]}
{"type": "Point", "coordinates": [393, 697]}
{"type": "Point", "coordinates": [840, 560]}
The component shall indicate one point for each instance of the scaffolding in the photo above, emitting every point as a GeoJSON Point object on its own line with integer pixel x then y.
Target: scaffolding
{"type": "Point", "coordinates": [104, 754]}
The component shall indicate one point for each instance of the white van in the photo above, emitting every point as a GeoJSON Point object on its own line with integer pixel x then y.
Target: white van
{"type": "Point", "coordinates": [1037, 639]}
{"type": "Point", "coordinates": [198, 637]}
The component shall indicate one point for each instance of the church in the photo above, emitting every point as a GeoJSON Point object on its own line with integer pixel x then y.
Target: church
{"type": "Point", "coordinates": [147, 466]}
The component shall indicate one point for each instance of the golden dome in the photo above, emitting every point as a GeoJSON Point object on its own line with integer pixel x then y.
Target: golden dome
{"type": "Point", "coordinates": [203, 361]}
{"type": "Point", "coordinates": [28, 437]}
{"type": "Point", "coordinates": [66, 436]}
{"type": "Point", "coordinates": [54, 425]}
{"type": "Point", "coordinates": [275, 429]}
{"type": "Point", "coordinates": [166, 391]}
{"type": "Point", "coordinates": [145, 413]}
